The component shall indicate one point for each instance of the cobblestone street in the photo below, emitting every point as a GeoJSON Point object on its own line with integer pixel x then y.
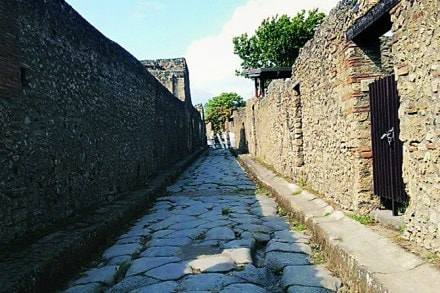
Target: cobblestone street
{"type": "Point", "coordinates": [212, 232]}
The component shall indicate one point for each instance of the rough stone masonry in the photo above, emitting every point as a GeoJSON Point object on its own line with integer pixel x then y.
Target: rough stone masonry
{"type": "Point", "coordinates": [318, 131]}
{"type": "Point", "coordinates": [81, 120]}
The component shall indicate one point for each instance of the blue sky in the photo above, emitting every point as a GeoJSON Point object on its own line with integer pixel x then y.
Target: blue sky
{"type": "Point", "coordinates": [199, 30]}
{"type": "Point", "coordinates": [156, 29]}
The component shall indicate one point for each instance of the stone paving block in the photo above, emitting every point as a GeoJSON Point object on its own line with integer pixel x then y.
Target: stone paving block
{"type": "Point", "coordinates": [164, 287]}
{"type": "Point", "coordinates": [208, 186]}
{"type": "Point", "coordinates": [90, 288]}
{"type": "Point", "coordinates": [258, 236]}
{"type": "Point", "coordinates": [104, 275]}
{"type": "Point", "coordinates": [243, 288]}
{"type": "Point", "coordinates": [122, 249]}
{"type": "Point", "coordinates": [277, 260]}
{"type": "Point", "coordinates": [170, 198]}
{"type": "Point", "coordinates": [188, 225]}
{"type": "Point", "coordinates": [214, 213]}
{"type": "Point", "coordinates": [245, 242]}
{"type": "Point", "coordinates": [144, 264]}
{"type": "Point", "coordinates": [130, 283]}
{"type": "Point", "coordinates": [220, 233]}
{"type": "Point", "coordinates": [153, 217]}
{"type": "Point", "coordinates": [174, 219]}
{"type": "Point", "coordinates": [130, 240]}
{"type": "Point", "coordinates": [118, 260]}
{"type": "Point", "coordinates": [239, 210]}
{"type": "Point", "coordinates": [212, 264]}
{"type": "Point", "coordinates": [276, 223]}
{"type": "Point", "coordinates": [163, 233]}
{"type": "Point", "coordinates": [209, 200]}
{"type": "Point", "coordinates": [248, 219]}
{"type": "Point", "coordinates": [187, 233]}
{"type": "Point", "coordinates": [161, 251]}
{"type": "Point", "coordinates": [216, 221]}
{"type": "Point", "coordinates": [208, 282]}
{"type": "Point", "coordinates": [259, 276]}
{"type": "Point", "coordinates": [136, 231]}
{"type": "Point", "coordinates": [174, 241]}
{"type": "Point", "coordinates": [309, 276]}
{"type": "Point", "coordinates": [297, 247]}
{"type": "Point", "coordinates": [248, 199]}
{"type": "Point", "coordinates": [239, 255]}
{"type": "Point", "coordinates": [186, 202]}
{"type": "Point", "coordinates": [290, 237]}
{"type": "Point", "coordinates": [169, 272]}
{"type": "Point", "coordinates": [213, 243]}
{"type": "Point", "coordinates": [162, 205]}
{"type": "Point", "coordinates": [254, 228]}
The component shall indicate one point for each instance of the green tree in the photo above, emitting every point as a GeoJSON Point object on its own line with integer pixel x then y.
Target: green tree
{"type": "Point", "coordinates": [219, 108]}
{"type": "Point", "coordinates": [277, 40]}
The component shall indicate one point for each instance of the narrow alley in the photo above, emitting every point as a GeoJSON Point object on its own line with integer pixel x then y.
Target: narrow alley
{"type": "Point", "coordinates": [212, 232]}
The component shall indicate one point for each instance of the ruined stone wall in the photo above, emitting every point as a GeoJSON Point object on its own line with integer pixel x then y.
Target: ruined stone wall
{"type": "Point", "coordinates": [89, 122]}
{"type": "Point", "coordinates": [173, 74]}
{"type": "Point", "coordinates": [274, 125]}
{"type": "Point", "coordinates": [335, 117]}
{"type": "Point", "coordinates": [416, 43]}
{"type": "Point", "coordinates": [320, 133]}
{"type": "Point", "coordinates": [335, 110]}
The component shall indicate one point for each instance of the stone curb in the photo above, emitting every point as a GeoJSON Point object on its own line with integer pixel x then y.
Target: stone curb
{"type": "Point", "coordinates": [46, 264]}
{"type": "Point", "coordinates": [363, 259]}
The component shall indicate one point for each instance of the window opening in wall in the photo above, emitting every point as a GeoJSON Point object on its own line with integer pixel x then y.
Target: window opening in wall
{"type": "Point", "coordinates": [175, 89]}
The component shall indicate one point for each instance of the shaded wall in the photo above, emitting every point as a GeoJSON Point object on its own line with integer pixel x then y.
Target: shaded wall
{"type": "Point", "coordinates": [86, 123]}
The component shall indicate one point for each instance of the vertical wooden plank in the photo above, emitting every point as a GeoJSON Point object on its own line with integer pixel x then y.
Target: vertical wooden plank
{"type": "Point", "coordinates": [387, 159]}
{"type": "Point", "coordinates": [374, 133]}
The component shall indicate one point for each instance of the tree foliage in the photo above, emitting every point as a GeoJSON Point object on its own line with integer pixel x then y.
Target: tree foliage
{"type": "Point", "coordinates": [219, 108]}
{"type": "Point", "coordinates": [277, 40]}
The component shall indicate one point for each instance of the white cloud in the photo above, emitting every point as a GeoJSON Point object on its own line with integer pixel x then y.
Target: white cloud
{"type": "Point", "coordinates": [142, 7]}
{"type": "Point", "coordinates": [211, 61]}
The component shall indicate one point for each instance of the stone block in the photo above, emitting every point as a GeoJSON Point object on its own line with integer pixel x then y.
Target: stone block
{"type": "Point", "coordinates": [365, 83]}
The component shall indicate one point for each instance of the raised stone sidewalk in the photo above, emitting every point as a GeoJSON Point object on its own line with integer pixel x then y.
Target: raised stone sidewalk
{"type": "Point", "coordinates": [365, 260]}
{"type": "Point", "coordinates": [210, 233]}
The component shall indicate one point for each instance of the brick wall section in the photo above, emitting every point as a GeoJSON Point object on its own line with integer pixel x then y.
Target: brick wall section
{"type": "Point", "coordinates": [335, 118]}
{"type": "Point", "coordinates": [91, 122]}
{"type": "Point", "coordinates": [416, 26]}
{"type": "Point", "coordinates": [9, 58]}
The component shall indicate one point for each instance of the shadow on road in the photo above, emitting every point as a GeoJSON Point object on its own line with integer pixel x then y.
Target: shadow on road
{"type": "Point", "coordinates": [212, 232]}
